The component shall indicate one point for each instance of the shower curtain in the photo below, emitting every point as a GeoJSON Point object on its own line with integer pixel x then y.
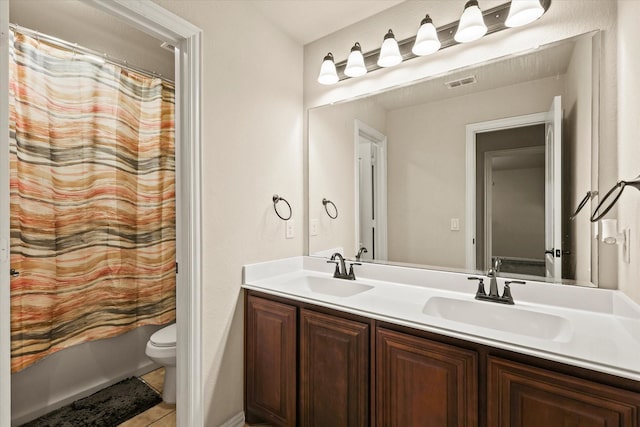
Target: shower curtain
{"type": "Point", "coordinates": [92, 199]}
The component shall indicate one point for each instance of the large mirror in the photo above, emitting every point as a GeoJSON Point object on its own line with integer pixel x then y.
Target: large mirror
{"type": "Point", "coordinates": [482, 167]}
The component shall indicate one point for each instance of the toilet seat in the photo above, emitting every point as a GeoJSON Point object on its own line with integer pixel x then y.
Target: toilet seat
{"type": "Point", "coordinates": [165, 337]}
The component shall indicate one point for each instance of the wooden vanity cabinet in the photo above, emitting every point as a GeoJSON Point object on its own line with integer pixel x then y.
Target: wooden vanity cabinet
{"type": "Point", "coordinates": [311, 366]}
{"type": "Point", "coordinates": [525, 396]}
{"type": "Point", "coordinates": [270, 362]}
{"type": "Point", "coordinates": [421, 382]}
{"type": "Point", "coordinates": [305, 367]}
{"type": "Point", "coordinates": [334, 371]}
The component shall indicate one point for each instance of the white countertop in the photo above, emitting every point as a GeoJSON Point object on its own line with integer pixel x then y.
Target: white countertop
{"type": "Point", "coordinates": [601, 328]}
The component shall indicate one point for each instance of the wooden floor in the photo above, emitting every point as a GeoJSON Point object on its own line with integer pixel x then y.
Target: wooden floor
{"type": "Point", "coordinates": [161, 415]}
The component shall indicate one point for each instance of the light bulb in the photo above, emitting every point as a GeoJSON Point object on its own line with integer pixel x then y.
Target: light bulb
{"type": "Point", "coordinates": [523, 12]}
{"type": "Point", "coordinates": [389, 52]}
{"type": "Point", "coordinates": [328, 74]}
{"type": "Point", "coordinates": [471, 26]}
{"type": "Point", "coordinates": [355, 62]}
{"type": "Point", "coordinates": [427, 41]}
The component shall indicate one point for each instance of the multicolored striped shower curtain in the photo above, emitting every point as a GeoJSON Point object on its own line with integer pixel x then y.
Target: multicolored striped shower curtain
{"type": "Point", "coordinates": [92, 199]}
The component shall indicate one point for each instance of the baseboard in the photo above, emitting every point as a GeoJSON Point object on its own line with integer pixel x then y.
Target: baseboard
{"type": "Point", "coordinates": [236, 421]}
{"type": "Point", "coordinates": [38, 412]}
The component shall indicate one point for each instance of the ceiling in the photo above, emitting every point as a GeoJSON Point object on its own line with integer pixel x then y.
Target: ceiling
{"type": "Point", "coordinates": [309, 20]}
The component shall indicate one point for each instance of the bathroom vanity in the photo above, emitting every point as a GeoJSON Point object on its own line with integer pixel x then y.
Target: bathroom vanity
{"type": "Point", "coordinates": [380, 352]}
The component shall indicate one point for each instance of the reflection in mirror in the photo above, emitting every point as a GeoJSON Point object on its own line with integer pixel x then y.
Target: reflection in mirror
{"type": "Point", "coordinates": [456, 171]}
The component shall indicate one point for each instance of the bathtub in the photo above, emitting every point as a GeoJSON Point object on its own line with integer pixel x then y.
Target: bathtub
{"type": "Point", "coordinates": [76, 372]}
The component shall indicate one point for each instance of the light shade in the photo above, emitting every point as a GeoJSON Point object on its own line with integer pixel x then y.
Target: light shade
{"type": "Point", "coordinates": [389, 52]}
{"type": "Point", "coordinates": [427, 41]}
{"type": "Point", "coordinates": [523, 12]}
{"type": "Point", "coordinates": [471, 26]}
{"type": "Point", "coordinates": [328, 74]}
{"type": "Point", "coordinates": [355, 62]}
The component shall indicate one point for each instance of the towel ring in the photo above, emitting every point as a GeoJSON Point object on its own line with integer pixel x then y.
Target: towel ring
{"type": "Point", "coordinates": [326, 202]}
{"type": "Point", "coordinates": [276, 199]}
{"type": "Point", "coordinates": [590, 195]}
{"type": "Point", "coordinates": [616, 192]}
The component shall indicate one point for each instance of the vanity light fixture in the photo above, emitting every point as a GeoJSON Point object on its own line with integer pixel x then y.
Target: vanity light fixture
{"type": "Point", "coordinates": [355, 63]}
{"type": "Point", "coordinates": [389, 52]}
{"type": "Point", "coordinates": [328, 74]}
{"type": "Point", "coordinates": [427, 41]}
{"type": "Point", "coordinates": [472, 25]}
{"type": "Point", "coordinates": [523, 12]}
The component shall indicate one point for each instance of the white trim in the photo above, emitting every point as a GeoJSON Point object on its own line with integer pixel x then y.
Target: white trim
{"type": "Point", "coordinates": [236, 421]}
{"type": "Point", "coordinates": [488, 208]}
{"type": "Point", "coordinates": [151, 18]}
{"type": "Point", "coordinates": [470, 199]}
{"type": "Point", "coordinates": [5, 285]}
{"type": "Point", "coordinates": [362, 129]}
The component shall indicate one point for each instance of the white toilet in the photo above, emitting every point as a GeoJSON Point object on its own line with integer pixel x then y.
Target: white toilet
{"type": "Point", "coordinates": [161, 348]}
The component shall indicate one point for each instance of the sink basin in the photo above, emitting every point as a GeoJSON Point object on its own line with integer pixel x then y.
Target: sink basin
{"type": "Point", "coordinates": [502, 318]}
{"type": "Point", "coordinates": [330, 286]}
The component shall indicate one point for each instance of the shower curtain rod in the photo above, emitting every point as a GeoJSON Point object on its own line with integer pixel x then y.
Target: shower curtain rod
{"type": "Point", "coordinates": [74, 47]}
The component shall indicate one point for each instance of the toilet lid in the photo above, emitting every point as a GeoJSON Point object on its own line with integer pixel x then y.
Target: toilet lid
{"type": "Point", "coordinates": [165, 337]}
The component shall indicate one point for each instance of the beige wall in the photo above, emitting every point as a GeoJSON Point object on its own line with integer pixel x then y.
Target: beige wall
{"type": "Point", "coordinates": [577, 164]}
{"type": "Point", "coordinates": [77, 22]}
{"type": "Point", "coordinates": [629, 139]}
{"type": "Point", "coordinates": [332, 171]}
{"type": "Point", "coordinates": [564, 19]}
{"type": "Point", "coordinates": [252, 148]}
{"type": "Point", "coordinates": [427, 155]}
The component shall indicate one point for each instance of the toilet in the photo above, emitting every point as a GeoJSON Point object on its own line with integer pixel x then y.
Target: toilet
{"type": "Point", "coordinates": [161, 348]}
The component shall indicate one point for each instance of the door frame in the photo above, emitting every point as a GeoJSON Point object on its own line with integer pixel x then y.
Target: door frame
{"type": "Point", "coordinates": [471, 131]}
{"type": "Point", "coordinates": [362, 129]}
{"type": "Point", "coordinates": [158, 22]}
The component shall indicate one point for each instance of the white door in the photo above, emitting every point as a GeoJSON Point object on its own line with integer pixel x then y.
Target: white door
{"type": "Point", "coordinates": [553, 192]}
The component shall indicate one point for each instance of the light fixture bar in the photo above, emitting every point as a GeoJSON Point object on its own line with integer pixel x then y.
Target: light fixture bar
{"type": "Point", "coordinates": [494, 19]}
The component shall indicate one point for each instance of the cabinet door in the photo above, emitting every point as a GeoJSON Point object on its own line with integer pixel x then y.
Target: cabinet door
{"type": "Point", "coordinates": [270, 362]}
{"type": "Point", "coordinates": [524, 396]}
{"type": "Point", "coordinates": [424, 383]}
{"type": "Point", "coordinates": [334, 371]}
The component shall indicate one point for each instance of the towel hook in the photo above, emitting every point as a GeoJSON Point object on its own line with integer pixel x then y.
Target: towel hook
{"type": "Point", "coordinates": [616, 192]}
{"type": "Point", "coordinates": [326, 202]}
{"type": "Point", "coordinates": [276, 199]}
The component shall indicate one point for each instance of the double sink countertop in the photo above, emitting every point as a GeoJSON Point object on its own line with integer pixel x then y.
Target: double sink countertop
{"type": "Point", "coordinates": [591, 328]}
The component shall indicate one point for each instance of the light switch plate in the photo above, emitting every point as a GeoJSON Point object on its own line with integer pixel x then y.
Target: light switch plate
{"type": "Point", "coordinates": [313, 227]}
{"type": "Point", "coordinates": [455, 224]}
{"type": "Point", "coordinates": [290, 229]}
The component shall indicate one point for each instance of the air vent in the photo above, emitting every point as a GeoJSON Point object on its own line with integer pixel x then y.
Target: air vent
{"type": "Point", "coordinates": [461, 82]}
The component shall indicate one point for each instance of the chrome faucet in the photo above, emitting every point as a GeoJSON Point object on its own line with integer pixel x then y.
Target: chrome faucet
{"type": "Point", "coordinates": [341, 268]}
{"type": "Point", "coordinates": [360, 252]}
{"type": "Point", "coordinates": [492, 274]}
{"type": "Point", "coordinates": [494, 296]}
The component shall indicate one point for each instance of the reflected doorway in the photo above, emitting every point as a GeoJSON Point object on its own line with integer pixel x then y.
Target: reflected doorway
{"type": "Point", "coordinates": [514, 208]}
{"type": "Point", "coordinates": [371, 191]}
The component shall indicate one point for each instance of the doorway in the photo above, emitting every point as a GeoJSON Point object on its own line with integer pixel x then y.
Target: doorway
{"type": "Point", "coordinates": [548, 126]}
{"type": "Point", "coordinates": [371, 192]}
{"type": "Point", "coordinates": [156, 21]}
{"type": "Point", "coordinates": [514, 200]}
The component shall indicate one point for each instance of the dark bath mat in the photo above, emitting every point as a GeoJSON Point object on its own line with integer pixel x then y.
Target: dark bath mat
{"type": "Point", "coordinates": [106, 408]}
